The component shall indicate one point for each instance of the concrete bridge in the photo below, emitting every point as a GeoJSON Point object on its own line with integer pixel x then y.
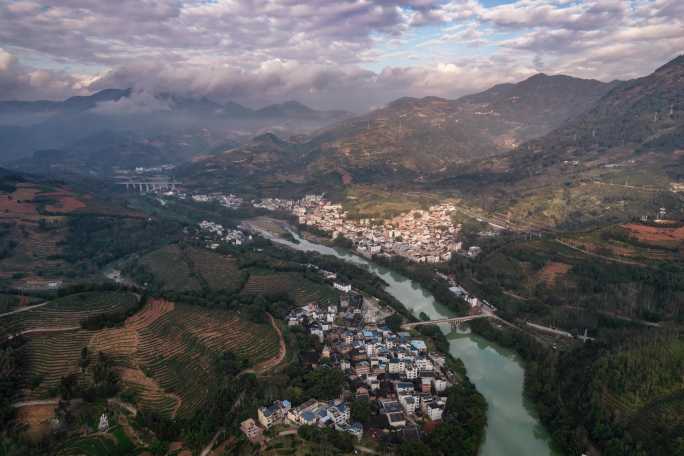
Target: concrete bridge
{"type": "Point", "coordinates": [453, 321]}
{"type": "Point", "coordinates": [149, 186]}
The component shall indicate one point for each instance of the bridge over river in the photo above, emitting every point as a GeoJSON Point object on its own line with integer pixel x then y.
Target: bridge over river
{"type": "Point", "coordinates": [453, 321]}
{"type": "Point", "coordinates": [149, 186]}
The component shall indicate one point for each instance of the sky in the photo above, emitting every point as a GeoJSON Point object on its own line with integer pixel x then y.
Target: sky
{"type": "Point", "coordinates": [330, 54]}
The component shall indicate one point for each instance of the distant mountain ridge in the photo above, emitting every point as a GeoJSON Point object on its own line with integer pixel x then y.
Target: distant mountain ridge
{"type": "Point", "coordinates": [414, 137]}
{"type": "Point", "coordinates": [126, 128]}
{"type": "Point", "coordinates": [204, 104]}
{"type": "Point", "coordinates": [622, 157]}
{"type": "Point", "coordinates": [430, 134]}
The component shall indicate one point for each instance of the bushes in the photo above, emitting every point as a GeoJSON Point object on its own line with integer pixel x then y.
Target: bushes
{"type": "Point", "coordinates": [463, 423]}
{"type": "Point", "coordinates": [340, 440]}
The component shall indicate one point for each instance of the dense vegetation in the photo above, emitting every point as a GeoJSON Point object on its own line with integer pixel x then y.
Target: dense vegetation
{"type": "Point", "coordinates": [94, 241]}
{"type": "Point", "coordinates": [618, 393]}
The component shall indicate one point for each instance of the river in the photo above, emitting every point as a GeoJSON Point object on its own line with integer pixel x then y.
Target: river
{"type": "Point", "coordinates": [512, 426]}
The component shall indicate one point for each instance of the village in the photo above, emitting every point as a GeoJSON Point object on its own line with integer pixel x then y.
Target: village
{"type": "Point", "coordinates": [425, 236]}
{"type": "Point", "coordinates": [395, 371]}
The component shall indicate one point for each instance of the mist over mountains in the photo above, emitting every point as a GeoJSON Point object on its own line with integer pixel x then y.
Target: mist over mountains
{"type": "Point", "coordinates": [122, 127]}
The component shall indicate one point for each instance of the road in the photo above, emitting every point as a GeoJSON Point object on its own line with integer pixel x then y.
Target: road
{"type": "Point", "coordinates": [24, 309]}
{"type": "Point", "coordinates": [271, 362]}
{"type": "Point", "coordinates": [597, 255]}
{"type": "Point", "coordinates": [44, 330]}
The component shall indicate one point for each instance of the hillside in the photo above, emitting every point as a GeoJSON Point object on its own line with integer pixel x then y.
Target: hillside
{"type": "Point", "coordinates": [407, 139]}
{"type": "Point", "coordinates": [427, 135]}
{"type": "Point", "coordinates": [622, 158]}
{"type": "Point", "coordinates": [36, 220]}
{"type": "Point", "coordinates": [163, 354]}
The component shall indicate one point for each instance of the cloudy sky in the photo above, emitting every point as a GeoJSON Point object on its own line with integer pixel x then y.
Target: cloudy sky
{"type": "Point", "coordinates": [351, 54]}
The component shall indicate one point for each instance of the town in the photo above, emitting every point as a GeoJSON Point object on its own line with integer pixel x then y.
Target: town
{"type": "Point", "coordinates": [425, 236]}
{"type": "Point", "coordinates": [393, 370]}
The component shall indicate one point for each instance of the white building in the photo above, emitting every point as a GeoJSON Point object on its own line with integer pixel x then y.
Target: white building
{"type": "Point", "coordinates": [346, 288]}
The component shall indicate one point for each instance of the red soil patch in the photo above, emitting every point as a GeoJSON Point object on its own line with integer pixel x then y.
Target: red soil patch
{"type": "Point", "coordinates": [66, 203]}
{"type": "Point", "coordinates": [37, 420]}
{"type": "Point", "coordinates": [18, 203]}
{"type": "Point", "coordinates": [655, 233]}
{"type": "Point", "coordinates": [552, 270]}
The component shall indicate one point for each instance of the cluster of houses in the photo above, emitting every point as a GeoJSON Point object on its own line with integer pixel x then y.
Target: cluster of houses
{"type": "Point", "coordinates": [420, 235]}
{"type": "Point", "coordinates": [229, 201]}
{"type": "Point", "coordinates": [393, 369]}
{"type": "Point", "coordinates": [214, 233]}
{"type": "Point", "coordinates": [335, 414]}
{"type": "Point", "coordinates": [287, 205]}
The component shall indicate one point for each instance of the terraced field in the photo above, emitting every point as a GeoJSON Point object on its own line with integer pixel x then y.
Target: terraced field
{"type": "Point", "coordinates": [164, 353]}
{"type": "Point", "coordinates": [301, 290]}
{"type": "Point", "coordinates": [115, 442]}
{"type": "Point", "coordinates": [49, 358]}
{"type": "Point", "coordinates": [177, 350]}
{"type": "Point", "coordinates": [67, 312]}
{"type": "Point", "coordinates": [171, 269]}
{"type": "Point", "coordinates": [183, 268]}
{"type": "Point", "coordinates": [219, 271]}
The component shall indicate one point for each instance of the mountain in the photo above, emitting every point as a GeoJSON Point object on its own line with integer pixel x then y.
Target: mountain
{"type": "Point", "coordinates": [411, 138]}
{"type": "Point", "coordinates": [294, 109]}
{"type": "Point", "coordinates": [142, 122]}
{"type": "Point", "coordinates": [428, 135]}
{"type": "Point", "coordinates": [622, 157]}
{"type": "Point", "coordinates": [70, 105]}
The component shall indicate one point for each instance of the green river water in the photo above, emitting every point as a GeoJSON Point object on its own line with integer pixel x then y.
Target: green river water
{"type": "Point", "coordinates": [513, 428]}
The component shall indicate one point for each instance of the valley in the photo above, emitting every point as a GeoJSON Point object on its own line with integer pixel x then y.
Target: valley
{"type": "Point", "coordinates": [494, 274]}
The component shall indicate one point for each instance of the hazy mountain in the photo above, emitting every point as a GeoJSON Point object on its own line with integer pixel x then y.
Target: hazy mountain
{"type": "Point", "coordinates": [142, 122]}
{"type": "Point", "coordinates": [412, 137]}
{"type": "Point", "coordinates": [73, 104]}
{"type": "Point", "coordinates": [407, 141]}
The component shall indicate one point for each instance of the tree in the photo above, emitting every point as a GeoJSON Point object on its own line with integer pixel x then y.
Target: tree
{"type": "Point", "coordinates": [323, 384]}
{"type": "Point", "coordinates": [360, 410]}
{"type": "Point", "coordinates": [394, 322]}
{"type": "Point", "coordinates": [414, 449]}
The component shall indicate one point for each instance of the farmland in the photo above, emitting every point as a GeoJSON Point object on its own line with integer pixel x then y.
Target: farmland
{"type": "Point", "coordinates": [178, 348]}
{"type": "Point", "coordinates": [218, 271]}
{"type": "Point", "coordinates": [164, 354]}
{"type": "Point", "coordinates": [170, 270]}
{"type": "Point", "coordinates": [301, 290]}
{"type": "Point", "coordinates": [183, 268]}
{"type": "Point", "coordinates": [68, 312]}
{"type": "Point", "coordinates": [34, 225]}
{"type": "Point", "coordinates": [114, 442]}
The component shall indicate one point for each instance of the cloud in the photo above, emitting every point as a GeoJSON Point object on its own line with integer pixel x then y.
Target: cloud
{"type": "Point", "coordinates": [328, 53]}
{"type": "Point", "coordinates": [139, 102]}
{"type": "Point", "coordinates": [18, 81]}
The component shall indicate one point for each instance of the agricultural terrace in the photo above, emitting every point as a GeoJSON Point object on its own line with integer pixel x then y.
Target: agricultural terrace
{"type": "Point", "coordinates": [301, 290]}
{"type": "Point", "coordinates": [178, 349]}
{"type": "Point", "coordinates": [170, 269]}
{"type": "Point", "coordinates": [181, 268]}
{"type": "Point", "coordinates": [164, 354]}
{"type": "Point", "coordinates": [218, 271]}
{"type": "Point", "coordinates": [114, 442]}
{"type": "Point", "coordinates": [633, 242]}
{"type": "Point", "coordinates": [50, 357]}
{"type": "Point", "coordinates": [67, 312]}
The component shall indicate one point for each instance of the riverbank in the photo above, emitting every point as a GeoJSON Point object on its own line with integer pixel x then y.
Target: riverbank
{"type": "Point", "coordinates": [513, 427]}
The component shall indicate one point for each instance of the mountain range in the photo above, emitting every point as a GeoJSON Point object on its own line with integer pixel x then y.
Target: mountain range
{"type": "Point", "coordinates": [553, 149]}
{"type": "Point", "coordinates": [140, 128]}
